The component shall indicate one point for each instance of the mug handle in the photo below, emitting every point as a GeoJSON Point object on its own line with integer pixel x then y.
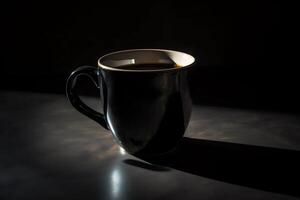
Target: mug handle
{"type": "Point", "coordinates": [92, 73]}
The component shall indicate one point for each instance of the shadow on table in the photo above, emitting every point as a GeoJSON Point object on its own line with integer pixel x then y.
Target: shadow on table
{"type": "Point", "coordinates": [265, 168]}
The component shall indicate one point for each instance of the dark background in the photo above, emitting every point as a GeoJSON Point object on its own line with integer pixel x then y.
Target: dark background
{"type": "Point", "coordinates": [245, 51]}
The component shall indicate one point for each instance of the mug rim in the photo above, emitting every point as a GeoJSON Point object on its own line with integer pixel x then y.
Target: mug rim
{"type": "Point", "coordinates": [100, 65]}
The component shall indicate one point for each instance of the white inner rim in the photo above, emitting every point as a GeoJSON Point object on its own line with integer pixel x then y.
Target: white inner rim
{"type": "Point", "coordinates": [143, 56]}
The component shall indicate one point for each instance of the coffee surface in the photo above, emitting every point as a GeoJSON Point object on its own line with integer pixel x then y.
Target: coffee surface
{"type": "Point", "coordinates": [149, 66]}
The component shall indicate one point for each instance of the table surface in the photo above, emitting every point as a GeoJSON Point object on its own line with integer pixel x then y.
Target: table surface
{"type": "Point", "coordinates": [50, 151]}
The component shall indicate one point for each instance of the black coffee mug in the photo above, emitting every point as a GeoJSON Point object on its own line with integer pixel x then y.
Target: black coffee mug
{"type": "Point", "coordinates": [145, 97]}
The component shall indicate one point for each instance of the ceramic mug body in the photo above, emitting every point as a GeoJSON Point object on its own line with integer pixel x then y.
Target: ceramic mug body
{"type": "Point", "coordinates": [147, 110]}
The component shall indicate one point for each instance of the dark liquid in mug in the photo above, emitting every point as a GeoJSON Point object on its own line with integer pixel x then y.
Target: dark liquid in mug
{"type": "Point", "coordinates": [149, 66]}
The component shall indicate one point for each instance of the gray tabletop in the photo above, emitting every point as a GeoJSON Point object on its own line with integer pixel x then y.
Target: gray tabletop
{"type": "Point", "coordinates": [50, 151]}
